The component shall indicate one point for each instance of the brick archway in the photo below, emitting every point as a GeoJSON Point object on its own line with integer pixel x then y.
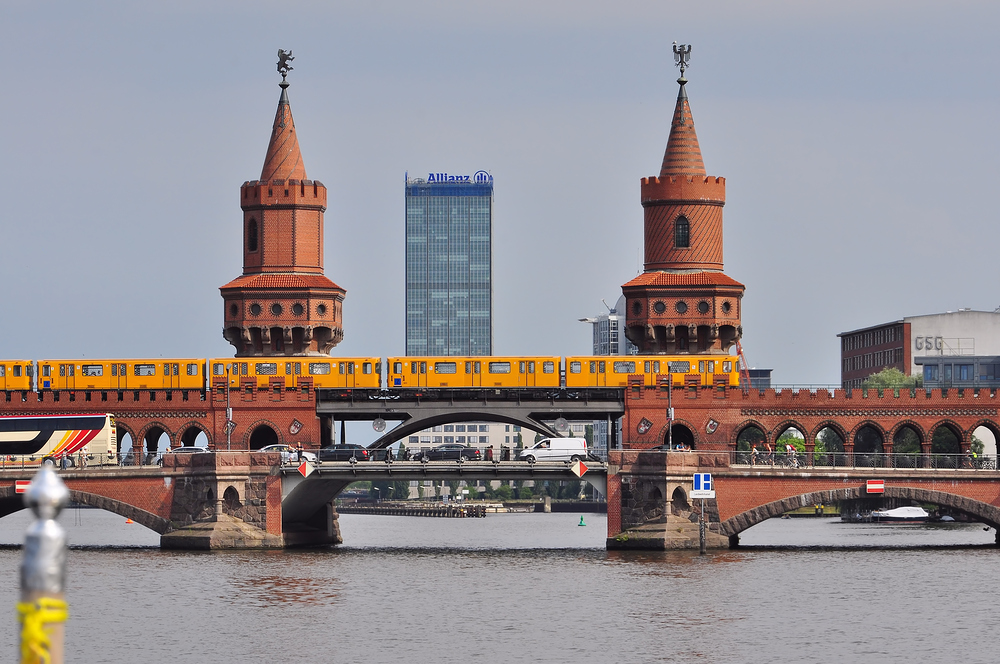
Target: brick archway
{"type": "Point", "coordinates": [985, 512]}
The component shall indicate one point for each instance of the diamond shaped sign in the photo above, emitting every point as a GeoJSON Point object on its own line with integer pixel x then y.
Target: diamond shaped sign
{"type": "Point", "coordinates": [579, 468]}
{"type": "Point", "coordinates": [305, 468]}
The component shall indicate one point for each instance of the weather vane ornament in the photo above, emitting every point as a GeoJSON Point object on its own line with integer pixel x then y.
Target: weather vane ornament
{"type": "Point", "coordinates": [682, 56]}
{"type": "Point", "coordinates": [284, 57]}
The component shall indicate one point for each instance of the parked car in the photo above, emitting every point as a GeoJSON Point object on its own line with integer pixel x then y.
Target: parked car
{"type": "Point", "coordinates": [447, 451]}
{"type": "Point", "coordinates": [344, 453]}
{"type": "Point", "coordinates": [187, 449]}
{"type": "Point", "coordinates": [556, 449]}
{"type": "Point", "coordinates": [289, 453]}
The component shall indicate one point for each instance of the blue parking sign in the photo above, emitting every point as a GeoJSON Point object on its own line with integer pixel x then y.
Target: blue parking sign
{"type": "Point", "coordinates": [702, 481]}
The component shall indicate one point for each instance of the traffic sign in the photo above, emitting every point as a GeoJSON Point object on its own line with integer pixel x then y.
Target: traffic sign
{"type": "Point", "coordinates": [875, 486]}
{"type": "Point", "coordinates": [21, 486]}
{"type": "Point", "coordinates": [579, 468]}
{"type": "Point", "coordinates": [306, 468]}
{"type": "Point", "coordinates": [703, 487]}
{"type": "Point", "coordinates": [230, 427]}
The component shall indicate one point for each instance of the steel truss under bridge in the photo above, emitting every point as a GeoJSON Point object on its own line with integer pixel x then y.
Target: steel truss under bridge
{"type": "Point", "coordinates": [419, 410]}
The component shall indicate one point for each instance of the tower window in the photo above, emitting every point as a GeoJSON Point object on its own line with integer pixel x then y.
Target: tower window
{"type": "Point", "coordinates": [276, 309]}
{"type": "Point", "coordinates": [252, 235]}
{"type": "Point", "coordinates": [682, 232]}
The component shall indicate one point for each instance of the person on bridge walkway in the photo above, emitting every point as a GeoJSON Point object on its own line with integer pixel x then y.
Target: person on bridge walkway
{"type": "Point", "coordinates": [753, 456]}
{"type": "Point", "coordinates": [489, 453]}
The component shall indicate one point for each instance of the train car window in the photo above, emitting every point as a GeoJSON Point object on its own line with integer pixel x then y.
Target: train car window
{"type": "Point", "coordinates": [378, 368]}
{"type": "Point", "coordinates": [531, 367]}
{"type": "Point", "coordinates": [727, 367]}
{"type": "Point", "coordinates": [701, 366]}
{"type": "Point", "coordinates": [350, 368]}
{"type": "Point", "coordinates": [413, 367]}
{"type": "Point", "coordinates": [593, 366]}
{"type": "Point", "coordinates": [575, 367]}
{"type": "Point", "coordinates": [520, 366]}
{"type": "Point", "coordinates": [468, 367]}
{"type": "Point", "coordinates": [17, 371]}
{"type": "Point", "coordinates": [3, 370]}
{"type": "Point", "coordinates": [445, 367]}
{"type": "Point", "coordinates": [166, 369]}
{"type": "Point", "coordinates": [145, 369]}
{"type": "Point", "coordinates": [397, 367]}
{"type": "Point", "coordinates": [192, 369]}
{"type": "Point", "coordinates": [624, 367]}
{"type": "Point", "coordinates": [656, 366]}
{"type": "Point", "coordinates": [499, 367]}
{"type": "Point", "coordinates": [475, 367]}
{"type": "Point", "coordinates": [92, 370]}
{"type": "Point", "coordinates": [114, 369]}
{"type": "Point", "coordinates": [176, 368]}
{"type": "Point", "coordinates": [711, 366]}
{"type": "Point", "coordinates": [62, 369]}
{"type": "Point", "coordinates": [266, 368]}
{"type": "Point", "coordinates": [423, 367]}
{"type": "Point", "coordinates": [319, 368]}
{"type": "Point", "coordinates": [218, 369]}
{"type": "Point", "coordinates": [46, 371]}
{"type": "Point", "coordinates": [600, 367]}
{"type": "Point", "coordinates": [243, 368]}
{"type": "Point", "coordinates": [288, 368]}
{"type": "Point", "coordinates": [340, 368]}
{"type": "Point", "coordinates": [548, 367]}
{"type": "Point", "coordinates": [121, 370]}
{"type": "Point", "coordinates": [646, 366]}
{"type": "Point", "coordinates": [366, 367]}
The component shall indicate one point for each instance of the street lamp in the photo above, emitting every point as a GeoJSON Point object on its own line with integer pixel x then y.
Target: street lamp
{"type": "Point", "coordinates": [229, 411]}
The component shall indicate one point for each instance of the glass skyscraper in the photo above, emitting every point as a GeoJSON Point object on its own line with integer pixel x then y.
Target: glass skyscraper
{"type": "Point", "coordinates": [449, 267]}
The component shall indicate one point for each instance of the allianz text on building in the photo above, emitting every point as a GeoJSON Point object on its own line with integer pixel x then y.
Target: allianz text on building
{"type": "Point", "coordinates": [904, 344]}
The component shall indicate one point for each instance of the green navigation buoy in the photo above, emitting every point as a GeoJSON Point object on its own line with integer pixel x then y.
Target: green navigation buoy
{"type": "Point", "coordinates": [581, 521]}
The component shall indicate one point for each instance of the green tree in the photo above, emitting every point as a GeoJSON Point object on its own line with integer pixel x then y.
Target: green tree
{"type": "Point", "coordinates": [503, 492]}
{"type": "Point", "coordinates": [525, 493]}
{"type": "Point", "coordinates": [977, 445]}
{"type": "Point", "coordinates": [588, 433]}
{"type": "Point", "coordinates": [891, 378]}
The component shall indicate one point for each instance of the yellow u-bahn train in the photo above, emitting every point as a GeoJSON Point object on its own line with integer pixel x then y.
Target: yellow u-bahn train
{"type": "Point", "coordinates": [402, 373]}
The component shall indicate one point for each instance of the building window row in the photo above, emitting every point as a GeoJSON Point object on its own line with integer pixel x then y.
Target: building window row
{"type": "Point", "coordinates": [882, 358]}
{"type": "Point", "coordinates": [878, 337]}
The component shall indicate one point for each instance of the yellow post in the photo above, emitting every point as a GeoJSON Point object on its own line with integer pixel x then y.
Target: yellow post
{"type": "Point", "coordinates": [42, 610]}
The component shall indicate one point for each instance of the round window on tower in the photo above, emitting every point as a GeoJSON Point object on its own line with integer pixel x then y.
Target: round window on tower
{"type": "Point", "coordinates": [297, 309]}
{"type": "Point", "coordinates": [659, 307]}
{"type": "Point", "coordinates": [233, 310]}
{"type": "Point", "coordinates": [276, 309]}
{"type": "Point", "coordinates": [255, 309]}
{"type": "Point", "coordinates": [703, 307]}
{"type": "Point", "coordinates": [726, 307]}
{"type": "Point", "coordinates": [681, 307]}
{"type": "Point", "coordinates": [636, 307]}
{"type": "Point", "coordinates": [321, 309]}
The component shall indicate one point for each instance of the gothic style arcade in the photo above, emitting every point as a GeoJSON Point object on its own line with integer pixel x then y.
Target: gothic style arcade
{"type": "Point", "coordinates": [683, 302]}
{"type": "Point", "coordinates": [283, 304]}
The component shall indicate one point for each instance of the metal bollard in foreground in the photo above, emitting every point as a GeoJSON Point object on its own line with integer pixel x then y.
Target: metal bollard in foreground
{"type": "Point", "coordinates": [42, 610]}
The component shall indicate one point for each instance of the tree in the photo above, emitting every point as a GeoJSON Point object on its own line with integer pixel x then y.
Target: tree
{"type": "Point", "coordinates": [503, 492]}
{"type": "Point", "coordinates": [976, 445]}
{"type": "Point", "coordinates": [891, 378]}
{"type": "Point", "coordinates": [588, 433]}
{"type": "Point", "coordinates": [791, 437]}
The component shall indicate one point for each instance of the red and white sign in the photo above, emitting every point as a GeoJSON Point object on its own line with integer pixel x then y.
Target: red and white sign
{"type": "Point", "coordinates": [579, 468]}
{"type": "Point", "coordinates": [305, 468]}
{"type": "Point", "coordinates": [21, 486]}
{"type": "Point", "coordinates": [876, 486]}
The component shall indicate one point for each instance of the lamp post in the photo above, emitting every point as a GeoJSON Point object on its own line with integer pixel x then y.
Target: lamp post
{"type": "Point", "coordinates": [229, 411]}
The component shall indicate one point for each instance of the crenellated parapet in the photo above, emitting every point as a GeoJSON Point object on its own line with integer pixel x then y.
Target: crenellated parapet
{"type": "Point", "coordinates": [676, 189]}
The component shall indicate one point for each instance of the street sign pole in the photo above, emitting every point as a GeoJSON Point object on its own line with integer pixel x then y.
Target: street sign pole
{"type": "Point", "coordinates": [670, 411]}
{"type": "Point", "coordinates": [701, 530]}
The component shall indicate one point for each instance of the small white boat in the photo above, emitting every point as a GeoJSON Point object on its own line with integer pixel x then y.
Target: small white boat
{"type": "Point", "coordinates": [901, 515]}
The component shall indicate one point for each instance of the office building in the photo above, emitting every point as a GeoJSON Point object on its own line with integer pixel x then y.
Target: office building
{"type": "Point", "coordinates": [901, 343]}
{"type": "Point", "coordinates": [609, 331]}
{"type": "Point", "coordinates": [449, 296]}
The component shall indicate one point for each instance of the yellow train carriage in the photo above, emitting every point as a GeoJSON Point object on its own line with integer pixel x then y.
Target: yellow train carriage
{"type": "Point", "coordinates": [144, 374]}
{"type": "Point", "coordinates": [346, 372]}
{"type": "Point", "coordinates": [489, 372]}
{"type": "Point", "coordinates": [16, 374]}
{"type": "Point", "coordinates": [614, 371]}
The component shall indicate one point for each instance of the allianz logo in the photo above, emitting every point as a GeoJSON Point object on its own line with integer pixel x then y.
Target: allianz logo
{"type": "Point", "coordinates": [480, 177]}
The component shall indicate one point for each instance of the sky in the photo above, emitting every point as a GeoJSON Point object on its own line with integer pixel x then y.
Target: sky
{"type": "Point", "coordinates": [858, 140]}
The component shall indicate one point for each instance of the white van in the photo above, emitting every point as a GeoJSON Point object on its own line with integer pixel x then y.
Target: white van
{"type": "Point", "coordinates": [556, 449]}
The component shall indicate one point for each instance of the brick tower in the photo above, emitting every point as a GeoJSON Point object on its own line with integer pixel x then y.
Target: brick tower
{"type": "Point", "coordinates": [283, 304]}
{"type": "Point", "coordinates": [682, 302]}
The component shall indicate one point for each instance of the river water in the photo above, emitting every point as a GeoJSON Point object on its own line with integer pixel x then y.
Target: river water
{"type": "Point", "coordinates": [525, 587]}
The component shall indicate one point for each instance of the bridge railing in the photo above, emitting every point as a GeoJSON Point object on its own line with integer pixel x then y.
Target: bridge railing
{"type": "Point", "coordinates": [867, 460]}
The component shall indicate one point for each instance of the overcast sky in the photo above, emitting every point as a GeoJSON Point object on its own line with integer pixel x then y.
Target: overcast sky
{"type": "Point", "coordinates": [858, 139]}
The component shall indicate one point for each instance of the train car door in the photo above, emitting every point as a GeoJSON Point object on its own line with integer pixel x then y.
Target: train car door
{"type": "Point", "coordinates": [598, 373]}
{"type": "Point", "coordinates": [116, 377]}
{"type": "Point", "coordinates": [346, 369]}
{"type": "Point", "coordinates": [292, 372]}
{"type": "Point", "coordinates": [171, 375]}
{"type": "Point", "coordinates": [67, 376]}
{"type": "Point", "coordinates": [474, 373]}
{"type": "Point", "coordinates": [418, 373]}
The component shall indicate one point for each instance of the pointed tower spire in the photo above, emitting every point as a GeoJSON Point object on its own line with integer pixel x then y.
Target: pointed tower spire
{"type": "Point", "coordinates": [683, 154]}
{"type": "Point", "coordinates": [283, 160]}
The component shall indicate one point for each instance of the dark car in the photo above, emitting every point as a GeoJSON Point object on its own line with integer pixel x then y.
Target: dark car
{"type": "Point", "coordinates": [344, 453]}
{"type": "Point", "coordinates": [447, 451]}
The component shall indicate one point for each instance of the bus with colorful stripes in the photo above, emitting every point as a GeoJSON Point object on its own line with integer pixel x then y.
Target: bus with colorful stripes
{"type": "Point", "coordinates": [70, 440]}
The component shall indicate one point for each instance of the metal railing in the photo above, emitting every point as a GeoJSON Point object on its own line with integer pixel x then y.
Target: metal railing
{"type": "Point", "coordinates": [866, 460]}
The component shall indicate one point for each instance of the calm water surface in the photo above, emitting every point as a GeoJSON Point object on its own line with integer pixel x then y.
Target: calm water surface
{"type": "Point", "coordinates": [527, 587]}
